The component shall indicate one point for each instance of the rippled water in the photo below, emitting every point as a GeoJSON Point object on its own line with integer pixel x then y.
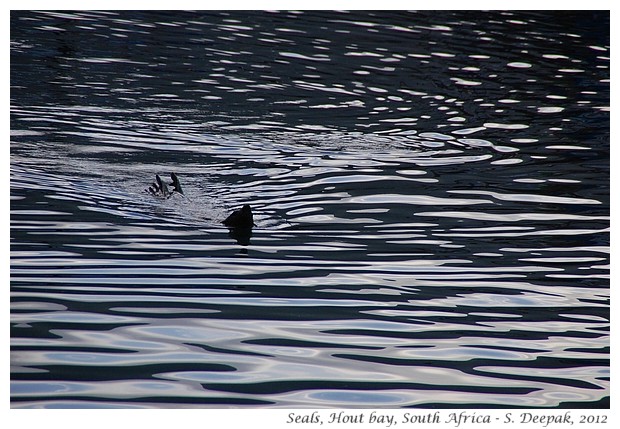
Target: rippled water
{"type": "Point", "coordinates": [431, 194]}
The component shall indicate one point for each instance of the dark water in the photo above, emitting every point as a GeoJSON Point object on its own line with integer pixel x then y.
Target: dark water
{"type": "Point", "coordinates": [431, 194]}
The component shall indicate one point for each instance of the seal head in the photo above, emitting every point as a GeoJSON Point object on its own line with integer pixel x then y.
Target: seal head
{"type": "Point", "coordinates": [241, 218]}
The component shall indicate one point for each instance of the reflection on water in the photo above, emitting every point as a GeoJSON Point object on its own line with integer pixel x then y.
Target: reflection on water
{"type": "Point", "coordinates": [430, 193]}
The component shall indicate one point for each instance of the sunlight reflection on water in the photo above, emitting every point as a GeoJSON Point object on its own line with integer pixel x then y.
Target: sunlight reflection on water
{"type": "Point", "coordinates": [437, 238]}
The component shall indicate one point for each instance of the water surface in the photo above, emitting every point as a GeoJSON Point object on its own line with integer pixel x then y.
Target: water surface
{"type": "Point", "coordinates": [430, 189]}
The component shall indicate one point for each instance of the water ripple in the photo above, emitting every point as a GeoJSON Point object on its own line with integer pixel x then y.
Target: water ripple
{"type": "Point", "coordinates": [430, 193]}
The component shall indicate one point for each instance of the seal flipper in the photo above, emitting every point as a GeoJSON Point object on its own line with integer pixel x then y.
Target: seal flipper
{"type": "Point", "coordinates": [154, 189]}
{"type": "Point", "coordinates": [176, 184]}
{"type": "Point", "coordinates": [159, 188]}
{"type": "Point", "coordinates": [162, 187]}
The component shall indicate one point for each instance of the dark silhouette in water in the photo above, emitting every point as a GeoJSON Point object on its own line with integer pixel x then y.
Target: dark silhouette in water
{"type": "Point", "coordinates": [159, 188]}
{"type": "Point", "coordinates": [241, 235]}
{"type": "Point", "coordinates": [241, 218]}
{"type": "Point", "coordinates": [176, 184]}
{"type": "Point", "coordinates": [240, 223]}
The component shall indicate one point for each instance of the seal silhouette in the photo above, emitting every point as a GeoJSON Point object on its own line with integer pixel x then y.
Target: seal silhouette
{"type": "Point", "coordinates": [241, 218]}
{"type": "Point", "coordinates": [159, 188]}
